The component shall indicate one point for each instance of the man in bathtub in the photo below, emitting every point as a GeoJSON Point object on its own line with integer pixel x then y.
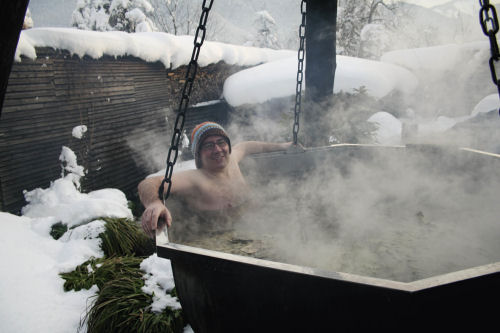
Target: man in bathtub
{"type": "Point", "coordinates": [215, 189]}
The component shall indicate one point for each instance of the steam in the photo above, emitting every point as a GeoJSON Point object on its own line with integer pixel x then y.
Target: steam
{"type": "Point", "coordinates": [390, 214]}
{"type": "Point", "coordinates": [150, 142]}
{"type": "Point", "coordinates": [271, 122]}
{"type": "Point", "coordinates": [150, 148]}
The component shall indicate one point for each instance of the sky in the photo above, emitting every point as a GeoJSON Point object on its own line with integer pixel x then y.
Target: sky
{"type": "Point", "coordinates": [31, 294]}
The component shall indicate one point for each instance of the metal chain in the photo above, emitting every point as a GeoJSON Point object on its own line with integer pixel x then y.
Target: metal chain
{"type": "Point", "coordinates": [489, 23]}
{"type": "Point", "coordinates": [300, 72]}
{"type": "Point", "coordinates": [191, 70]}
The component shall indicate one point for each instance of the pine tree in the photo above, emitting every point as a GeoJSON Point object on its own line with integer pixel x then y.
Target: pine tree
{"type": "Point", "coordinates": [266, 32]}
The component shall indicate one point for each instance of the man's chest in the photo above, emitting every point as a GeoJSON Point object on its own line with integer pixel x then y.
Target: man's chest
{"type": "Point", "coordinates": [222, 194]}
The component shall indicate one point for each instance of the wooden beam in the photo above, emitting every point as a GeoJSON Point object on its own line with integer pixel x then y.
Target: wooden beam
{"type": "Point", "coordinates": [321, 22]}
{"type": "Point", "coordinates": [11, 22]}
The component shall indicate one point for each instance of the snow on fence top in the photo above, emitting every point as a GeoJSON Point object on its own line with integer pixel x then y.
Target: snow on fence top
{"type": "Point", "coordinates": [277, 79]}
{"type": "Point", "coordinates": [173, 51]}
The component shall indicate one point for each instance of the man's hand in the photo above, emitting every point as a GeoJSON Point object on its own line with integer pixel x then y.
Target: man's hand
{"type": "Point", "coordinates": [155, 218]}
{"type": "Point", "coordinates": [298, 148]}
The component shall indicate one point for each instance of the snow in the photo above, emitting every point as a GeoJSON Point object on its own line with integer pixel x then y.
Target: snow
{"type": "Point", "coordinates": [216, 101]}
{"type": "Point", "coordinates": [31, 289]}
{"type": "Point", "coordinates": [279, 75]}
{"type": "Point", "coordinates": [265, 15]}
{"type": "Point", "coordinates": [388, 128]}
{"type": "Point", "coordinates": [276, 79]}
{"type": "Point", "coordinates": [488, 103]}
{"type": "Point", "coordinates": [159, 278]}
{"type": "Point", "coordinates": [79, 131]}
{"type": "Point", "coordinates": [440, 58]}
{"type": "Point", "coordinates": [68, 157]}
{"type": "Point", "coordinates": [173, 51]}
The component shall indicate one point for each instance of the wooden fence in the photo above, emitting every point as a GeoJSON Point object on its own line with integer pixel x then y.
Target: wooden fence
{"type": "Point", "coordinates": [120, 100]}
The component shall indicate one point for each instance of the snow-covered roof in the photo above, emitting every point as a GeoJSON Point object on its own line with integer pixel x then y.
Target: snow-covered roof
{"type": "Point", "coordinates": [173, 51]}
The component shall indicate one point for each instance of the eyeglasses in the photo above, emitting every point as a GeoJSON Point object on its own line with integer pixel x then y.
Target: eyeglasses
{"type": "Point", "coordinates": [211, 145]}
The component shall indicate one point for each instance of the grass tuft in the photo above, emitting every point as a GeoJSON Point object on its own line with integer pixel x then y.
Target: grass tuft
{"type": "Point", "coordinates": [123, 237]}
{"type": "Point", "coordinates": [99, 271]}
{"type": "Point", "coordinates": [58, 229]}
{"type": "Point", "coordinates": [121, 305]}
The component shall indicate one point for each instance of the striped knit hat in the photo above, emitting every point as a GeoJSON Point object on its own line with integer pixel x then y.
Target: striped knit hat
{"type": "Point", "coordinates": [200, 133]}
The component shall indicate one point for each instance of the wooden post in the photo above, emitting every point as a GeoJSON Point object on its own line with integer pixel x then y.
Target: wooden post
{"type": "Point", "coordinates": [12, 14]}
{"type": "Point", "coordinates": [321, 22]}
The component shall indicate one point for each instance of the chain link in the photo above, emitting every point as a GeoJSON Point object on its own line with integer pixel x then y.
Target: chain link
{"type": "Point", "coordinates": [191, 70]}
{"type": "Point", "coordinates": [300, 72]}
{"type": "Point", "coordinates": [489, 23]}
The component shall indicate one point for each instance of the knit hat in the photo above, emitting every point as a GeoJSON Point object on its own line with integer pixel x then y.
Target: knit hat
{"type": "Point", "coordinates": [200, 133]}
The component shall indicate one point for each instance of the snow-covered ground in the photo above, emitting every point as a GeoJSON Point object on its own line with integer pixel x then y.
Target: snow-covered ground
{"type": "Point", "coordinates": [31, 291]}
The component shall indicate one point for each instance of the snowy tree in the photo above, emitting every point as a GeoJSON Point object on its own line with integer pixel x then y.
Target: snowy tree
{"type": "Point", "coordinates": [91, 15]}
{"type": "Point", "coordinates": [106, 15]}
{"type": "Point", "coordinates": [130, 15]}
{"type": "Point", "coordinates": [353, 16]}
{"type": "Point", "coordinates": [181, 17]}
{"type": "Point", "coordinates": [266, 33]}
{"type": "Point", "coordinates": [348, 27]}
{"type": "Point", "coordinates": [28, 21]}
{"type": "Point", "coordinates": [176, 16]}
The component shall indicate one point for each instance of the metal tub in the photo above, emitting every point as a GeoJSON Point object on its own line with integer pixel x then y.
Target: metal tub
{"type": "Point", "coordinates": [222, 292]}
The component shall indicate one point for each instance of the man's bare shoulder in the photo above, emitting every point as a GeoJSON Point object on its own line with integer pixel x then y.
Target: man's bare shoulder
{"type": "Point", "coordinates": [188, 175]}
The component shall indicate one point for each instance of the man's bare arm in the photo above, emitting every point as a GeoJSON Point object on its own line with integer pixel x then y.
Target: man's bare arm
{"type": "Point", "coordinates": [156, 215]}
{"type": "Point", "coordinates": [255, 147]}
{"type": "Point", "coordinates": [148, 189]}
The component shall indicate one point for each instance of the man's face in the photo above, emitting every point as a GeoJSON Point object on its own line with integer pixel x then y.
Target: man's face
{"type": "Point", "coordinates": [214, 152]}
